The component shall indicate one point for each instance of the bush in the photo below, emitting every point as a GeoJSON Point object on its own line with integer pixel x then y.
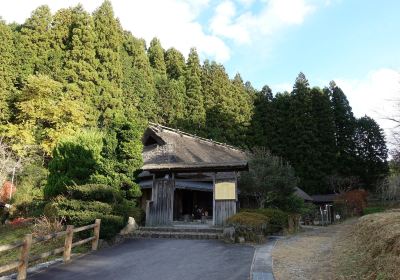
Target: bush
{"type": "Point", "coordinates": [32, 208]}
{"type": "Point", "coordinates": [97, 192]}
{"type": "Point", "coordinates": [128, 209]}
{"type": "Point", "coordinates": [277, 219]}
{"type": "Point", "coordinates": [53, 208]}
{"type": "Point", "coordinates": [248, 225]}
{"type": "Point", "coordinates": [372, 210]}
{"type": "Point", "coordinates": [45, 225]}
{"type": "Point", "coordinates": [110, 224]}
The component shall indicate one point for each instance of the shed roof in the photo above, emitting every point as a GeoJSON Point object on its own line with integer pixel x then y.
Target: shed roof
{"type": "Point", "coordinates": [325, 198]}
{"type": "Point", "coordinates": [168, 149]}
{"type": "Point", "coordinates": [302, 194]}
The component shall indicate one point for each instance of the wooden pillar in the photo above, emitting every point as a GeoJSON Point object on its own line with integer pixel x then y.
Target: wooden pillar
{"type": "Point", "coordinates": [214, 175]}
{"type": "Point", "coordinates": [68, 243]}
{"type": "Point", "coordinates": [24, 258]}
{"type": "Point", "coordinates": [96, 232]}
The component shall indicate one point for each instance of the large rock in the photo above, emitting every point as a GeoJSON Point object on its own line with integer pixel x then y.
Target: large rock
{"type": "Point", "coordinates": [130, 227]}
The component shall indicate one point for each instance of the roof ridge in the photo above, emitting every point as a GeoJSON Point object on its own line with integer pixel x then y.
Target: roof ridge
{"type": "Point", "coordinates": [195, 136]}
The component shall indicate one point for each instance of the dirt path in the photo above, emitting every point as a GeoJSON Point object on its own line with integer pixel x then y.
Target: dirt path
{"type": "Point", "coordinates": [310, 254]}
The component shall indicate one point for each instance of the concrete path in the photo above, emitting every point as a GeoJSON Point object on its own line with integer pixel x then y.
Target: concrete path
{"type": "Point", "coordinates": [166, 259]}
{"type": "Point", "coordinates": [261, 269]}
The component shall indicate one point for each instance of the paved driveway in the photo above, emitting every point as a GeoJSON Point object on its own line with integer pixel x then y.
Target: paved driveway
{"type": "Point", "coordinates": [164, 259]}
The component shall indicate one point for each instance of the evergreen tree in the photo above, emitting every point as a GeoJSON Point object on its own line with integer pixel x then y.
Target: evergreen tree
{"type": "Point", "coordinates": [344, 130]}
{"type": "Point", "coordinates": [175, 64]}
{"type": "Point", "coordinates": [80, 70]}
{"type": "Point", "coordinates": [156, 57]}
{"type": "Point", "coordinates": [194, 118]}
{"type": "Point", "coordinates": [138, 83]}
{"type": "Point", "coordinates": [33, 44]}
{"type": "Point", "coordinates": [7, 75]}
{"type": "Point", "coordinates": [371, 152]}
{"type": "Point", "coordinates": [108, 44]}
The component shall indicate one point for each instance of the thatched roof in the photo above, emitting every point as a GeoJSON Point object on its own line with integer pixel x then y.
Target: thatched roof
{"type": "Point", "coordinates": [325, 198]}
{"type": "Point", "coordinates": [167, 149]}
{"type": "Point", "coordinates": [302, 194]}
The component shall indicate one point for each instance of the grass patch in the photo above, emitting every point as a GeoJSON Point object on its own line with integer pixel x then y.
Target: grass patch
{"type": "Point", "coordinates": [10, 234]}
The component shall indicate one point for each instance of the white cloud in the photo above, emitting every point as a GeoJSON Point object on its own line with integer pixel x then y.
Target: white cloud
{"type": "Point", "coordinates": [376, 95]}
{"type": "Point", "coordinates": [174, 22]}
{"type": "Point", "coordinates": [243, 27]}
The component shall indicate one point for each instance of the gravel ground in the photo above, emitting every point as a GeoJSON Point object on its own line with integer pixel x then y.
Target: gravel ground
{"type": "Point", "coordinates": [311, 254]}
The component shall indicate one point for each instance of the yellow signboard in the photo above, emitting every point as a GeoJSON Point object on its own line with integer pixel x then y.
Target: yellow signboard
{"type": "Point", "coordinates": [225, 190]}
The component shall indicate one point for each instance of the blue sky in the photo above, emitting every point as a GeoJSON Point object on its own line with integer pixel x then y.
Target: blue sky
{"type": "Point", "coordinates": [354, 42]}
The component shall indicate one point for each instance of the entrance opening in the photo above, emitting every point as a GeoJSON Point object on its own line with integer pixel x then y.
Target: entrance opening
{"type": "Point", "coordinates": [190, 205]}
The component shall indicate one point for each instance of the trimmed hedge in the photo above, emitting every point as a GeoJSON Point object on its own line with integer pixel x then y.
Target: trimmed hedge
{"type": "Point", "coordinates": [97, 192]}
{"type": "Point", "coordinates": [53, 208]}
{"type": "Point", "coordinates": [110, 224]}
{"type": "Point", "coordinates": [248, 225]}
{"type": "Point", "coordinates": [127, 208]}
{"type": "Point", "coordinates": [277, 219]}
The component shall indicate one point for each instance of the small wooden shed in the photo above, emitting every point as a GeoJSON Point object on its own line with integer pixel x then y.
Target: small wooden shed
{"type": "Point", "coordinates": [184, 174]}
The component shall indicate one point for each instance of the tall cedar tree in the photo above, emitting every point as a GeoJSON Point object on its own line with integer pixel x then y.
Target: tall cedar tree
{"type": "Point", "coordinates": [108, 46]}
{"type": "Point", "coordinates": [138, 81]}
{"type": "Point", "coordinates": [6, 71]}
{"type": "Point", "coordinates": [371, 152]}
{"type": "Point", "coordinates": [194, 118]}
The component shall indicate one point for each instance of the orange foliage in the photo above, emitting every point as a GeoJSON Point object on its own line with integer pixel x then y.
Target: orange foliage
{"type": "Point", "coordinates": [6, 191]}
{"type": "Point", "coordinates": [355, 201]}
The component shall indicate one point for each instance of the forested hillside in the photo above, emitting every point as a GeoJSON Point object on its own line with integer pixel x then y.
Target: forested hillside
{"type": "Point", "coordinates": [72, 71]}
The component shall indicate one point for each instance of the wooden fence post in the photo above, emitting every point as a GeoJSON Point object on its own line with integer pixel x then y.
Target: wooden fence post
{"type": "Point", "coordinates": [68, 243]}
{"type": "Point", "coordinates": [24, 258]}
{"type": "Point", "coordinates": [96, 232]}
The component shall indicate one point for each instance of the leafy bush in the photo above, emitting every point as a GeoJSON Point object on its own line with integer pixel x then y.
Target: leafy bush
{"type": "Point", "coordinates": [110, 224]}
{"type": "Point", "coordinates": [97, 192]}
{"type": "Point", "coordinates": [277, 219]}
{"type": "Point", "coordinates": [248, 225]}
{"type": "Point", "coordinates": [34, 208]}
{"type": "Point", "coordinates": [128, 209]}
{"type": "Point", "coordinates": [372, 210]}
{"type": "Point", "coordinates": [75, 160]}
{"type": "Point", "coordinates": [53, 208]}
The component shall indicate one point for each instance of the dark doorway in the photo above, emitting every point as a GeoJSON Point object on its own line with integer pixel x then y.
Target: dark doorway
{"type": "Point", "coordinates": [190, 204]}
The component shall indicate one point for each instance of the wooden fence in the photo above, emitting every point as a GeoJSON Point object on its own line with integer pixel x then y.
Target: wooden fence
{"type": "Point", "coordinates": [25, 258]}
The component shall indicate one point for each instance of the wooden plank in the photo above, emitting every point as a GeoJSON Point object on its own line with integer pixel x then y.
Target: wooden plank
{"type": "Point", "coordinates": [9, 266]}
{"type": "Point", "coordinates": [83, 241]}
{"type": "Point", "coordinates": [68, 243]}
{"type": "Point", "coordinates": [84, 228]}
{"type": "Point", "coordinates": [11, 246]}
{"type": "Point", "coordinates": [96, 233]}
{"type": "Point", "coordinates": [24, 258]}
{"type": "Point", "coordinates": [46, 254]}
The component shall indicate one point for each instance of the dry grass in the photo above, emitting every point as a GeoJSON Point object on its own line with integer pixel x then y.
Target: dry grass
{"type": "Point", "coordinates": [372, 248]}
{"type": "Point", "coordinates": [367, 248]}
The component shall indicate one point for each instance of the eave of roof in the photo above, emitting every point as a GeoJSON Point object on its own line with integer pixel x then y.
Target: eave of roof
{"type": "Point", "coordinates": [204, 167]}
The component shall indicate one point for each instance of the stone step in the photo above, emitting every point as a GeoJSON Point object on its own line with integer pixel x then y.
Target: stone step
{"type": "Point", "coordinates": [182, 229]}
{"type": "Point", "coordinates": [176, 235]}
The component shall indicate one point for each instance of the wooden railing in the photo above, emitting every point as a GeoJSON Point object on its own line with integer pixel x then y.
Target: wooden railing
{"type": "Point", "coordinates": [26, 244]}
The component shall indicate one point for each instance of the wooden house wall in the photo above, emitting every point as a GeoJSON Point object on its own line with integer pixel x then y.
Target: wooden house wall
{"type": "Point", "coordinates": [160, 211]}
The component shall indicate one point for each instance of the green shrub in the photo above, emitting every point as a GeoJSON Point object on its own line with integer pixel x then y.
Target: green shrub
{"type": "Point", "coordinates": [110, 224]}
{"type": "Point", "coordinates": [248, 225]}
{"type": "Point", "coordinates": [127, 208]}
{"type": "Point", "coordinates": [277, 219]}
{"type": "Point", "coordinates": [26, 209]}
{"type": "Point", "coordinates": [97, 192]}
{"type": "Point", "coordinates": [53, 208]}
{"type": "Point", "coordinates": [372, 210]}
